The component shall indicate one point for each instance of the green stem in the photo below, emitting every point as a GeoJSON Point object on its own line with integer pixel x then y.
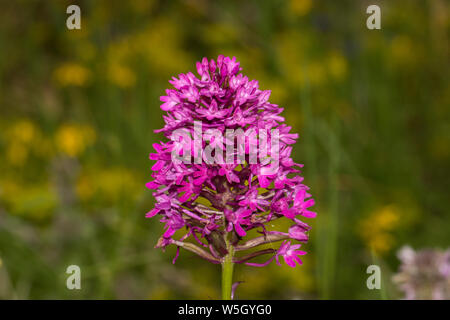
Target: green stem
{"type": "Point", "coordinates": [227, 272]}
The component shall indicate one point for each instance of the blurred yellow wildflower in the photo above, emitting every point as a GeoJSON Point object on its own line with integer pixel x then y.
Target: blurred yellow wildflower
{"type": "Point", "coordinates": [35, 202]}
{"type": "Point", "coordinates": [301, 70]}
{"type": "Point", "coordinates": [121, 50]}
{"type": "Point", "coordinates": [107, 185]}
{"type": "Point", "coordinates": [121, 76]}
{"type": "Point", "coordinates": [72, 74]}
{"type": "Point", "coordinates": [291, 46]}
{"type": "Point", "coordinates": [158, 44]}
{"type": "Point", "coordinates": [74, 139]}
{"type": "Point", "coordinates": [278, 89]}
{"type": "Point", "coordinates": [21, 136]}
{"type": "Point", "coordinates": [337, 66]}
{"type": "Point", "coordinates": [219, 34]}
{"type": "Point", "coordinates": [143, 5]}
{"type": "Point", "coordinates": [376, 230]}
{"type": "Point", "coordinates": [301, 7]}
{"type": "Point", "coordinates": [23, 131]}
{"type": "Point", "coordinates": [316, 73]}
{"type": "Point", "coordinates": [403, 51]}
{"type": "Point", "coordinates": [17, 153]}
{"type": "Point", "coordinates": [161, 44]}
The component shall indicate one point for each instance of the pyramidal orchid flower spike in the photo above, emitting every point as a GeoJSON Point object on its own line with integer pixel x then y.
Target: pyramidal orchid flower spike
{"type": "Point", "coordinates": [214, 202]}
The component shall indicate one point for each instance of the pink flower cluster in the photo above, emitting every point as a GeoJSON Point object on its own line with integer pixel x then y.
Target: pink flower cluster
{"type": "Point", "coordinates": [218, 204]}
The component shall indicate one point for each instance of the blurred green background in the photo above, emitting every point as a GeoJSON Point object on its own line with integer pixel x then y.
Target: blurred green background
{"type": "Point", "coordinates": [78, 110]}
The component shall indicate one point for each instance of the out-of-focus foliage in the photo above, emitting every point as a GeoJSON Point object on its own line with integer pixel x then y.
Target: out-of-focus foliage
{"type": "Point", "coordinates": [78, 110]}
